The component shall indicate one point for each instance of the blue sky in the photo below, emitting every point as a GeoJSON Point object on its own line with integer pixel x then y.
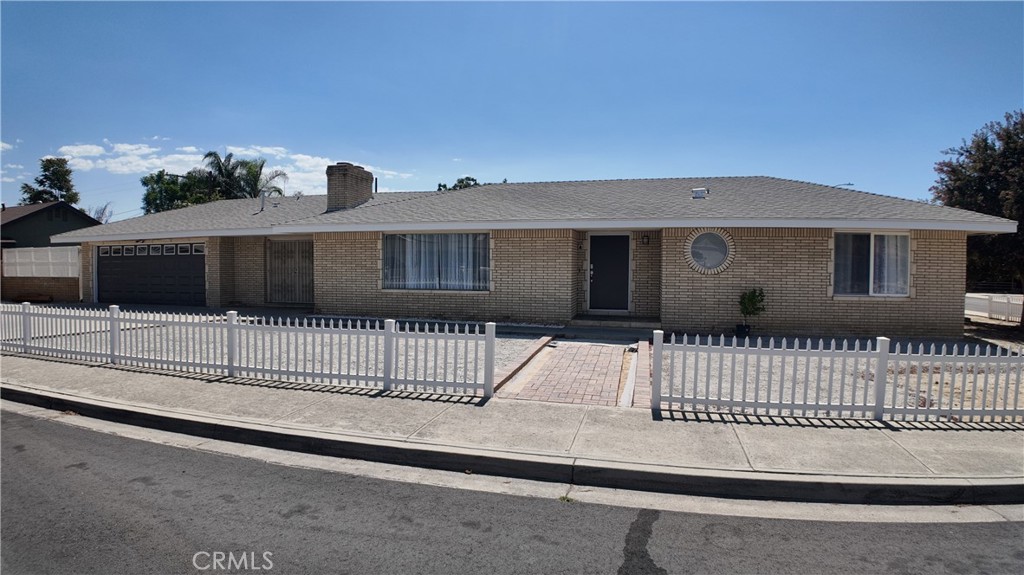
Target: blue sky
{"type": "Point", "coordinates": [421, 93]}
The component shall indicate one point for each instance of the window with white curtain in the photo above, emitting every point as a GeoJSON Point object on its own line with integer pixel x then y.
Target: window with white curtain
{"type": "Point", "coordinates": [872, 264]}
{"type": "Point", "coordinates": [437, 261]}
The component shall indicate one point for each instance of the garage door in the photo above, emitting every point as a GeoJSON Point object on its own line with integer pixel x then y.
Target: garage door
{"type": "Point", "coordinates": [153, 273]}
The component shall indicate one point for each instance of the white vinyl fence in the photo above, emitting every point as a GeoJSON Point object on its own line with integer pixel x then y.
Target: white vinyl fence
{"type": "Point", "coordinates": [1004, 307]}
{"type": "Point", "coordinates": [830, 379]}
{"type": "Point", "coordinates": [429, 358]}
{"type": "Point", "coordinates": [52, 262]}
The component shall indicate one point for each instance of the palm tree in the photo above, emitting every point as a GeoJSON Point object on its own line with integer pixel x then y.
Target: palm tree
{"type": "Point", "coordinates": [254, 181]}
{"type": "Point", "coordinates": [226, 173]}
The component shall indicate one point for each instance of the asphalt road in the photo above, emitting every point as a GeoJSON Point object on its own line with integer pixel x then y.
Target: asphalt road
{"type": "Point", "coordinates": [80, 501]}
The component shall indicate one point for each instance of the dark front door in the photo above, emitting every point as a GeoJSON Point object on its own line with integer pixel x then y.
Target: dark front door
{"type": "Point", "coordinates": [609, 273]}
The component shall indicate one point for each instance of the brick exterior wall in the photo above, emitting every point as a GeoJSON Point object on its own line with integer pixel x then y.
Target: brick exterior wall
{"type": "Point", "coordinates": [540, 276]}
{"type": "Point", "coordinates": [794, 267]}
{"type": "Point", "coordinates": [236, 271]}
{"type": "Point", "coordinates": [581, 276]}
{"type": "Point", "coordinates": [60, 289]}
{"type": "Point", "coordinates": [532, 279]}
{"type": "Point", "coordinates": [646, 269]}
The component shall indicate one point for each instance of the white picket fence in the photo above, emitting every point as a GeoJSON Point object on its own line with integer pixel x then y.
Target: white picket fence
{"type": "Point", "coordinates": [1004, 307]}
{"type": "Point", "coordinates": [388, 355]}
{"type": "Point", "coordinates": [831, 379]}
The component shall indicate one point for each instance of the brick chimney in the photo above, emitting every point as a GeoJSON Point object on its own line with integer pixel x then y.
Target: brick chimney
{"type": "Point", "coordinates": [348, 185]}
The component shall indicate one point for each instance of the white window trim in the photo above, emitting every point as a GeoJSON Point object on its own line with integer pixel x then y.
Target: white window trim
{"type": "Point", "coordinates": [871, 264]}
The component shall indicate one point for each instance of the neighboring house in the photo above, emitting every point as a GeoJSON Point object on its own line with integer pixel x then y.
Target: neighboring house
{"type": "Point", "coordinates": [673, 252]}
{"type": "Point", "coordinates": [31, 226]}
{"type": "Point", "coordinates": [28, 274]}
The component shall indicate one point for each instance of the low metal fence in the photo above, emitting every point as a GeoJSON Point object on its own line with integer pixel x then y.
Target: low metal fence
{"type": "Point", "coordinates": [430, 358]}
{"type": "Point", "coordinates": [791, 377]}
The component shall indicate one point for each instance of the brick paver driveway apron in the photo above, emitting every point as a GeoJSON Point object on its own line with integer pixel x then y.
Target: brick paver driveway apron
{"type": "Point", "coordinates": [572, 372]}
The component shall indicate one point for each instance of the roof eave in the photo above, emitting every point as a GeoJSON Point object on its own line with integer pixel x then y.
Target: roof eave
{"type": "Point", "coordinates": [997, 226]}
{"type": "Point", "coordinates": [167, 235]}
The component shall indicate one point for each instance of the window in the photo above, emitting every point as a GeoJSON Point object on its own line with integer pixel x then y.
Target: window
{"type": "Point", "coordinates": [129, 250]}
{"type": "Point", "coordinates": [437, 261]}
{"type": "Point", "coordinates": [168, 249]}
{"type": "Point", "coordinates": [115, 251]}
{"type": "Point", "coordinates": [104, 250]}
{"type": "Point", "coordinates": [141, 250]}
{"type": "Point", "coordinates": [198, 249]}
{"type": "Point", "coordinates": [184, 249]}
{"type": "Point", "coordinates": [709, 250]}
{"type": "Point", "coordinates": [872, 264]}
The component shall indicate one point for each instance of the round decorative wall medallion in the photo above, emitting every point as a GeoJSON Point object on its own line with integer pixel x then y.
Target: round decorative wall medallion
{"type": "Point", "coordinates": [709, 250]}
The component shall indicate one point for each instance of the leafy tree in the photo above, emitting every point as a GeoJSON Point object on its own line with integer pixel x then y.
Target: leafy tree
{"type": "Point", "coordinates": [53, 183]}
{"type": "Point", "coordinates": [464, 182]}
{"type": "Point", "coordinates": [170, 191]}
{"type": "Point", "coordinates": [221, 178]}
{"type": "Point", "coordinates": [986, 174]}
{"type": "Point", "coordinates": [253, 181]}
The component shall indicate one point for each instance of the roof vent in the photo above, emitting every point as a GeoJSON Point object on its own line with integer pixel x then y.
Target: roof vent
{"type": "Point", "coordinates": [700, 193]}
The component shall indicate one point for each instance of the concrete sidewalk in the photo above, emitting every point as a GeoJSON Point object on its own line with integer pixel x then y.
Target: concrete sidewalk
{"type": "Point", "coordinates": [841, 461]}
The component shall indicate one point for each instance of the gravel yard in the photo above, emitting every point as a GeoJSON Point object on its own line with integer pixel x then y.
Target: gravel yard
{"type": "Point", "coordinates": [832, 383]}
{"type": "Point", "coordinates": [301, 350]}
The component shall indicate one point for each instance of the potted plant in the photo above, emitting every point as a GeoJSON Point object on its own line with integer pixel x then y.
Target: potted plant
{"type": "Point", "coordinates": [751, 304]}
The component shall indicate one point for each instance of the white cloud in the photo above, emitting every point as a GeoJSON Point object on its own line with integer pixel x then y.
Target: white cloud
{"type": "Point", "coordinates": [80, 164]}
{"type": "Point", "coordinates": [135, 149]}
{"type": "Point", "coordinates": [386, 174]}
{"type": "Point", "coordinates": [456, 159]}
{"type": "Point", "coordinates": [79, 150]}
{"type": "Point", "coordinates": [15, 166]}
{"type": "Point", "coordinates": [307, 162]}
{"type": "Point", "coordinates": [274, 151]}
{"type": "Point", "coordinates": [4, 146]}
{"type": "Point", "coordinates": [8, 180]}
{"type": "Point", "coordinates": [306, 172]}
{"type": "Point", "coordinates": [158, 138]}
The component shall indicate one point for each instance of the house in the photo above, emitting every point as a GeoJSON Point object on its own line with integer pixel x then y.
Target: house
{"type": "Point", "coordinates": [31, 226]}
{"type": "Point", "coordinates": [31, 276]}
{"type": "Point", "coordinates": [673, 252]}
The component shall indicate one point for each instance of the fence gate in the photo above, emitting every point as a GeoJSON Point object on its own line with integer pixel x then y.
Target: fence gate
{"type": "Point", "coordinates": [290, 271]}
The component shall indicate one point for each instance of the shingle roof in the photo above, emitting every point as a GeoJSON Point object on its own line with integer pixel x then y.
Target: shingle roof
{"type": "Point", "coordinates": [223, 217]}
{"type": "Point", "coordinates": [732, 201]}
{"type": "Point", "coordinates": [14, 213]}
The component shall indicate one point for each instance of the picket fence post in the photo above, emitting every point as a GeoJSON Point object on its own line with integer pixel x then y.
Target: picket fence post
{"type": "Point", "coordinates": [232, 341]}
{"type": "Point", "coordinates": [659, 343]}
{"type": "Point", "coordinates": [115, 333]}
{"type": "Point", "coordinates": [490, 330]}
{"type": "Point", "coordinates": [881, 375]}
{"type": "Point", "coordinates": [389, 352]}
{"type": "Point", "coordinates": [26, 325]}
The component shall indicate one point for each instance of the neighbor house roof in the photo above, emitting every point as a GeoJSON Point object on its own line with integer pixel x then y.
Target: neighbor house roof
{"type": "Point", "coordinates": [15, 213]}
{"type": "Point", "coordinates": [750, 201]}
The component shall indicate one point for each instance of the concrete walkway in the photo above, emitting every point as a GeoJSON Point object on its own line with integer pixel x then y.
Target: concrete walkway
{"type": "Point", "coordinates": [765, 458]}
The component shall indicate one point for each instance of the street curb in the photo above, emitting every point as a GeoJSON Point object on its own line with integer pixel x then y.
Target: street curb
{"type": "Point", "coordinates": [540, 467]}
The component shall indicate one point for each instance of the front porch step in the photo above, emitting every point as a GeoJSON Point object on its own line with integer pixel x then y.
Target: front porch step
{"type": "Point", "coordinates": [614, 321]}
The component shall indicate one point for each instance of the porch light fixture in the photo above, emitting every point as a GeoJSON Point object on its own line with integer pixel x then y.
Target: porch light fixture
{"type": "Point", "coordinates": [645, 240]}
